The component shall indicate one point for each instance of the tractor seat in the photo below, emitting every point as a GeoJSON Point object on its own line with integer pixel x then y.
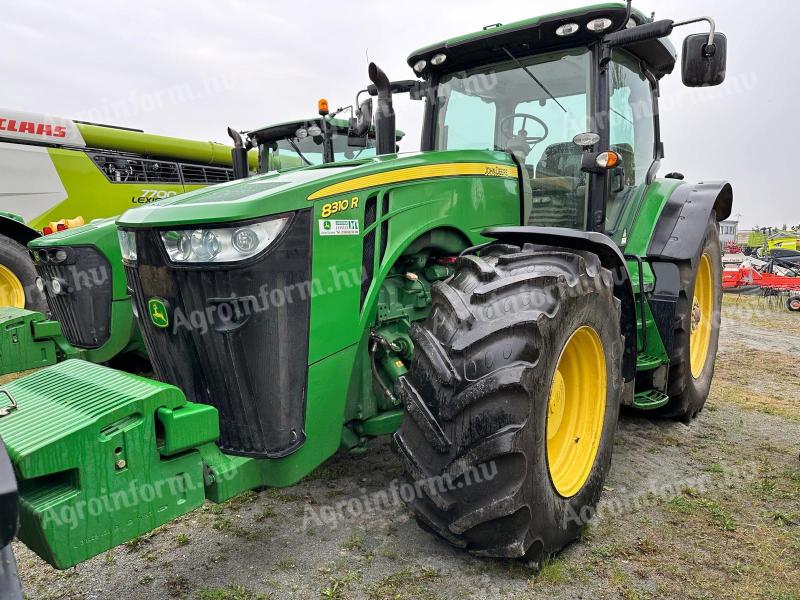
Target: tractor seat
{"type": "Point", "coordinates": [558, 187]}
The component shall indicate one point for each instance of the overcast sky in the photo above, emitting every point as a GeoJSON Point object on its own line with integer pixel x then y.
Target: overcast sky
{"type": "Point", "coordinates": [190, 69]}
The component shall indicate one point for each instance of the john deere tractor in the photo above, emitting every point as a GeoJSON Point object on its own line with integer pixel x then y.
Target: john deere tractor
{"type": "Point", "coordinates": [492, 301]}
{"type": "Point", "coordinates": [80, 270]}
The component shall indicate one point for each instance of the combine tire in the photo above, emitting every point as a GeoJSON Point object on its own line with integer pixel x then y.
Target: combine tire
{"type": "Point", "coordinates": [697, 330]}
{"type": "Point", "coordinates": [17, 277]}
{"type": "Point", "coordinates": [513, 397]}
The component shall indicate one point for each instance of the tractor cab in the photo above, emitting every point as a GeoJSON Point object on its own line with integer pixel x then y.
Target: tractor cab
{"type": "Point", "coordinates": [573, 97]}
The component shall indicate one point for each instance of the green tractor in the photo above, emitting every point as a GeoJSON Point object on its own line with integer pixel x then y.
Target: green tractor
{"type": "Point", "coordinates": [80, 270]}
{"type": "Point", "coordinates": [491, 301]}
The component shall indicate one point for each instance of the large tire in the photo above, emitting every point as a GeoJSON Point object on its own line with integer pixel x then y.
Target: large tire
{"type": "Point", "coordinates": [688, 391]}
{"type": "Point", "coordinates": [479, 390]}
{"type": "Point", "coordinates": [15, 262]}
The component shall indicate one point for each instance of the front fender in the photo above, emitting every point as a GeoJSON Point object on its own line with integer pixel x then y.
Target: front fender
{"type": "Point", "coordinates": [610, 257]}
{"type": "Point", "coordinates": [17, 230]}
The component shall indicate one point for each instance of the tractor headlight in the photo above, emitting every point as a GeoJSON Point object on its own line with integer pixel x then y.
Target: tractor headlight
{"type": "Point", "coordinates": [127, 243]}
{"type": "Point", "coordinates": [221, 244]}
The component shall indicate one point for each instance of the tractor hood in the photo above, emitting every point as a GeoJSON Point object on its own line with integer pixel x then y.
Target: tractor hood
{"type": "Point", "coordinates": [296, 189]}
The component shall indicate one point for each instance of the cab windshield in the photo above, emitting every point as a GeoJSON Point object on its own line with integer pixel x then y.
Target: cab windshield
{"type": "Point", "coordinates": [533, 112]}
{"type": "Point", "coordinates": [294, 152]}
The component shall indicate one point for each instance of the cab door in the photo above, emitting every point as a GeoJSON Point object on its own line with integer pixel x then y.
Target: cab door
{"type": "Point", "coordinates": [633, 135]}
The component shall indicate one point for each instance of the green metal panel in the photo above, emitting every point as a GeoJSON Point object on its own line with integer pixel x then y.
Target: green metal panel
{"type": "Point", "coordinates": [89, 459]}
{"type": "Point", "coordinates": [642, 221]}
{"type": "Point", "coordinates": [188, 427]}
{"type": "Point", "coordinates": [21, 346]}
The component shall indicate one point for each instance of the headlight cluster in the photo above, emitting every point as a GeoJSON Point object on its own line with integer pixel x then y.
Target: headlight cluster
{"type": "Point", "coordinates": [220, 244]}
{"type": "Point", "coordinates": [127, 243]}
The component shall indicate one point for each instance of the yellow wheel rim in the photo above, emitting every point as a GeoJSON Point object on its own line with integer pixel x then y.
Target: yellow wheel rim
{"type": "Point", "coordinates": [576, 411]}
{"type": "Point", "coordinates": [11, 291]}
{"type": "Point", "coordinates": [702, 316]}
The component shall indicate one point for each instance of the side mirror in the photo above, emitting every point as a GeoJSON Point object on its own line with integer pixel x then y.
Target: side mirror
{"type": "Point", "coordinates": [703, 64]}
{"type": "Point", "coordinates": [359, 126]}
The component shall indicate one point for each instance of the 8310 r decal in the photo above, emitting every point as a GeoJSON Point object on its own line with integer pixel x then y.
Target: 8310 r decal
{"type": "Point", "coordinates": [331, 208]}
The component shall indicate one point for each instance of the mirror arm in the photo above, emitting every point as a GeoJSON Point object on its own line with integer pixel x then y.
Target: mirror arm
{"type": "Point", "coordinates": [710, 21]}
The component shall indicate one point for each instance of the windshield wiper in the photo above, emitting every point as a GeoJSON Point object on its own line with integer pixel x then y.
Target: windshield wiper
{"type": "Point", "coordinates": [299, 153]}
{"type": "Point", "coordinates": [532, 76]}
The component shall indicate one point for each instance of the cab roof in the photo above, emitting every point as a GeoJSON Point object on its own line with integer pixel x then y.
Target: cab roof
{"type": "Point", "coordinates": [537, 34]}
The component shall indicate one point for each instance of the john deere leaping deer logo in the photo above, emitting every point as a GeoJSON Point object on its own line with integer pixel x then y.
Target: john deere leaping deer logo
{"type": "Point", "coordinates": [158, 312]}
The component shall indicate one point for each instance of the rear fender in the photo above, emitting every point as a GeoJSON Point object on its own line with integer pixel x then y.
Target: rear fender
{"type": "Point", "coordinates": [681, 227]}
{"type": "Point", "coordinates": [677, 238]}
{"type": "Point", "coordinates": [610, 257]}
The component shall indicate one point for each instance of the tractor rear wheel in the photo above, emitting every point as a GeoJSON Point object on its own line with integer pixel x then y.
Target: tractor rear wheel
{"type": "Point", "coordinates": [17, 277]}
{"type": "Point", "coordinates": [513, 398]}
{"type": "Point", "coordinates": [697, 329]}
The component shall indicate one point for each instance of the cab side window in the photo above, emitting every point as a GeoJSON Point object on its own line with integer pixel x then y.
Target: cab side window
{"type": "Point", "coordinates": [632, 126]}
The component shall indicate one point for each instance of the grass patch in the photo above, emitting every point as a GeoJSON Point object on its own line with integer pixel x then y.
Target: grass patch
{"type": "Point", "coordinates": [236, 592]}
{"type": "Point", "coordinates": [355, 542]}
{"type": "Point", "coordinates": [266, 513]}
{"type": "Point", "coordinates": [691, 504]}
{"type": "Point", "coordinates": [553, 571]}
{"type": "Point", "coordinates": [339, 584]}
{"type": "Point", "coordinates": [407, 584]}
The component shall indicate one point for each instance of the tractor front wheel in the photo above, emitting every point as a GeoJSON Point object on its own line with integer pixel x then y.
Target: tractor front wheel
{"type": "Point", "coordinates": [513, 398]}
{"type": "Point", "coordinates": [17, 277]}
{"type": "Point", "coordinates": [697, 329]}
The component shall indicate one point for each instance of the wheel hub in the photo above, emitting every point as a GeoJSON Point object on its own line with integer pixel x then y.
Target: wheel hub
{"type": "Point", "coordinates": [12, 292]}
{"type": "Point", "coordinates": [555, 408]}
{"type": "Point", "coordinates": [697, 315]}
{"type": "Point", "coordinates": [701, 317]}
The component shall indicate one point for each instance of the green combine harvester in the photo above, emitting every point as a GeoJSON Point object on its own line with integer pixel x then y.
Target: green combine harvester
{"type": "Point", "coordinates": [80, 270]}
{"type": "Point", "coordinates": [491, 301]}
{"type": "Point", "coordinates": [59, 173]}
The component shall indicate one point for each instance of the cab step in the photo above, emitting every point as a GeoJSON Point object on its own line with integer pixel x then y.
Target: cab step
{"type": "Point", "coordinates": [650, 400]}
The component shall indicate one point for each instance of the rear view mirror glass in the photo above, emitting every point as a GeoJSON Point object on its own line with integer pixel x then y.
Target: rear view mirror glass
{"type": "Point", "coordinates": [704, 64]}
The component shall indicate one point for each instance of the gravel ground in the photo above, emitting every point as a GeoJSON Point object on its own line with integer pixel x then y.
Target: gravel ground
{"type": "Point", "coordinates": [710, 510]}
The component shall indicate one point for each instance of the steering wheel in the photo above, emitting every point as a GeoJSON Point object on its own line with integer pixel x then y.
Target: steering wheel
{"type": "Point", "coordinates": [507, 128]}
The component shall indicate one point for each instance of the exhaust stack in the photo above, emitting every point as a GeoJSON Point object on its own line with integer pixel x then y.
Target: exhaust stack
{"type": "Point", "coordinates": [384, 117]}
{"type": "Point", "coordinates": [238, 155]}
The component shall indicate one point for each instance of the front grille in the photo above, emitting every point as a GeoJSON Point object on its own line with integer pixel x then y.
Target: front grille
{"type": "Point", "coordinates": [237, 337]}
{"type": "Point", "coordinates": [84, 307]}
